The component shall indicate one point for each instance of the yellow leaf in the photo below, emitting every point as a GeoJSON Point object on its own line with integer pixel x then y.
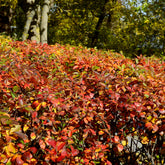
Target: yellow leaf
{"type": "Point", "coordinates": [3, 158]}
{"type": "Point", "coordinates": [149, 118]}
{"type": "Point", "coordinates": [31, 98]}
{"type": "Point", "coordinates": [15, 129]}
{"type": "Point", "coordinates": [70, 142]}
{"type": "Point", "coordinates": [153, 120]}
{"type": "Point", "coordinates": [98, 150]}
{"type": "Point", "coordinates": [25, 128]}
{"type": "Point", "coordinates": [124, 142]}
{"type": "Point", "coordinates": [32, 135]}
{"type": "Point", "coordinates": [43, 104]}
{"type": "Point", "coordinates": [54, 109]}
{"type": "Point", "coordinates": [38, 107]}
{"type": "Point", "coordinates": [145, 140]}
{"type": "Point", "coordinates": [10, 149]}
{"type": "Point", "coordinates": [133, 129]}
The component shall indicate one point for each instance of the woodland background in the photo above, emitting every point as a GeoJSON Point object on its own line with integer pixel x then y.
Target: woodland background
{"type": "Point", "coordinates": [131, 27]}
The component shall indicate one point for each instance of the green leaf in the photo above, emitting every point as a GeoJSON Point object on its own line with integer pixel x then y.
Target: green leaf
{"type": "Point", "coordinates": [4, 117]}
{"type": "Point", "coordinates": [147, 96]}
{"type": "Point", "coordinates": [9, 163]}
{"type": "Point", "coordinates": [137, 61]}
{"type": "Point", "coordinates": [16, 88]}
{"type": "Point", "coordinates": [13, 95]}
{"type": "Point", "coordinates": [95, 67]}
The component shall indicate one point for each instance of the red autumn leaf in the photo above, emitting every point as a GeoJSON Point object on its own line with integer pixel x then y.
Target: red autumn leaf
{"type": "Point", "coordinates": [60, 145]}
{"type": "Point", "coordinates": [33, 150]}
{"type": "Point", "coordinates": [116, 139]}
{"type": "Point", "coordinates": [19, 161]}
{"type": "Point", "coordinates": [69, 133]}
{"type": "Point", "coordinates": [35, 103]}
{"type": "Point", "coordinates": [108, 162]}
{"type": "Point", "coordinates": [74, 152]}
{"type": "Point", "coordinates": [20, 145]}
{"type": "Point", "coordinates": [34, 114]}
{"type": "Point", "coordinates": [60, 158]}
{"type": "Point", "coordinates": [120, 147]}
{"type": "Point", "coordinates": [71, 128]}
{"type": "Point", "coordinates": [93, 132]}
{"type": "Point", "coordinates": [27, 156]}
{"type": "Point", "coordinates": [33, 135]}
{"type": "Point", "coordinates": [52, 142]}
{"type": "Point", "coordinates": [64, 153]}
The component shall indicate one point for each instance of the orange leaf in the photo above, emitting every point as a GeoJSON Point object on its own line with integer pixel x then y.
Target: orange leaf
{"type": "Point", "coordinates": [10, 149]}
{"type": "Point", "coordinates": [120, 147]}
{"type": "Point", "coordinates": [32, 135]}
{"type": "Point", "coordinates": [35, 103]}
{"type": "Point", "coordinates": [148, 125]}
{"type": "Point", "coordinates": [85, 120]}
{"type": "Point", "coordinates": [42, 144]}
{"type": "Point", "coordinates": [116, 139]}
{"type": "Point", "coordinates": [155, 128]}
{"type": "Point", "coordinates": [101, 132]}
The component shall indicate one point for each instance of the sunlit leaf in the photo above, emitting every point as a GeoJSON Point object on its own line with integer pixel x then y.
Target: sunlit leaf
{"type": "Point", "coordinates": [15, 129]}
{"type": "Point", "coordinates": [33, 136]}
{"type": "Point", "coordinates": [10, 149]}
{"type": "Point", "coordinates": [124, 142]}
{"type": "Point", "coordinates": [145, 140]}
{"type": "Point", "coordinates": [25, 128]}
{"type": "Point", "coordinates": [120, 147]}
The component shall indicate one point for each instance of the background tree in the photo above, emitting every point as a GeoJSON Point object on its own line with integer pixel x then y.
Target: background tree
{"type": "Point", "coordinates": [7, 9]}
{"type": "Point", "coordinates": [81, 22]}
{"type": "Point", "coordinates": [141, 29]}
{"type": "Point", "coordinates": [132, 27]}
{"type": "Point", "coordinates": [36, 20]}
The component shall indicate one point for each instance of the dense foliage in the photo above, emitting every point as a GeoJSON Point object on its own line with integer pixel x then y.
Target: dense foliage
{"type": "Point", "coordinates": [78, 106]}
{"type": "Point", "coordinates": [138, 26]}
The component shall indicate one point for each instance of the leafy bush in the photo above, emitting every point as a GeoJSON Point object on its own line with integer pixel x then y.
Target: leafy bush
{"type": "Point", "coordinates": [79, 106]}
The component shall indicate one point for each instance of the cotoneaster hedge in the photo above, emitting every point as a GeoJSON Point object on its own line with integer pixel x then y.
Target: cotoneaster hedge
{"type": "Point", "coordinates": [71, 105]}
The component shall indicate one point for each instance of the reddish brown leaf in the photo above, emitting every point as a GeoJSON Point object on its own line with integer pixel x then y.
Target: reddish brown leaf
{"type": "Point", "coordinates": [60, 145]}
{"type": "Point", "coordinates": [19, 161]}
{"type": "Point", "coordinates": [33, 150]}
{"type": "Point", "coordinates": [52, 142]}
{"type": "Point", "coordinates": [74, 151]}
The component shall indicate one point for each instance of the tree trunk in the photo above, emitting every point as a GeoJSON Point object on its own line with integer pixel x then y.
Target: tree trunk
{"type": "Point", "coordinates": [98, 26]}
{"type": "Point", "coordinates": [30, 15]}
{"type": "Point", "coordinates": [44, 21]}
{"type": "Point", "coordinates": [34, 33]}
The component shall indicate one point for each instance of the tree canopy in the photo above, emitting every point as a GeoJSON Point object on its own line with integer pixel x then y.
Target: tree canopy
{"type": "Point", "coordinates": [132, 27]}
